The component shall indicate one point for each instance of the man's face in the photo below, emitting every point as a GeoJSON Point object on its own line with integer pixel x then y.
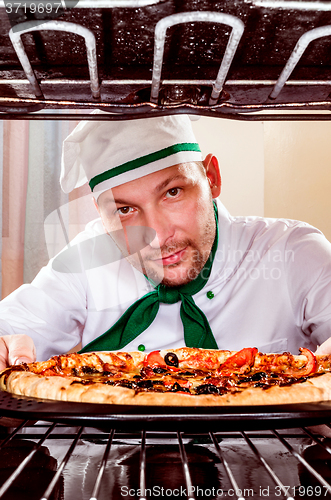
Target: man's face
{"type": "Point", "coordinates": [170, 216]}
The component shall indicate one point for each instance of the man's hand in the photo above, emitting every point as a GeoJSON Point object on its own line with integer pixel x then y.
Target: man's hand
{"type": "Point", "coordinates": [324, 348]}
{"type": "Point", "coordinates": [16, 349]}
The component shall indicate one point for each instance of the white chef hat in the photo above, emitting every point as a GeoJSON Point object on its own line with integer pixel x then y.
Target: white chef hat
{"type": "Point", "coordinates": [109, 153]}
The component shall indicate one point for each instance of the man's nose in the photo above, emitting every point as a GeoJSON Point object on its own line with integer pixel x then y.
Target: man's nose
{"type": "Point", "coordinates": [161, 230]}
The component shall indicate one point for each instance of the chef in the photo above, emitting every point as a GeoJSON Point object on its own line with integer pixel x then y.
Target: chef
{"type": "Point", "coordinates": [164, 264]}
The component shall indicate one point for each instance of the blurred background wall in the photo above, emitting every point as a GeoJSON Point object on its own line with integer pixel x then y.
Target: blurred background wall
{"type": "Point", "coordinates": [239, 149]}
{"type": "Point", "coordinates": [273, 169]}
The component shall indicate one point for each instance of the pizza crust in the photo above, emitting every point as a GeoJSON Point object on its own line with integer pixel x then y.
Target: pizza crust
{"type": "Point", "coordinates": [63, 389]}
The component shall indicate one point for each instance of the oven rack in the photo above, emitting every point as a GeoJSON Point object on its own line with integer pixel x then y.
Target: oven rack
{"type": "Point", "coordinates": [293, 442]}
{"type": "Point", "coordinates": [228, 59]}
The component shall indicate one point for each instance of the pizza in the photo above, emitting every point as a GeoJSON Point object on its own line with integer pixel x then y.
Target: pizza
{"type": "Point", "coordinates": [179, 377]}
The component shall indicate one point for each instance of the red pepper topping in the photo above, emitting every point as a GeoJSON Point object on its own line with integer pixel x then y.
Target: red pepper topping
{"type": "Point", "coordinates": [240, 362]}
{"type": "Point", "coordinates": [50, 372]}
{"type": "Point", "coordinates": [169, 382]}
{"type": "Point", "coordinates": [308, 369]}
{"type": "Point", "coordinates": [311, 365]}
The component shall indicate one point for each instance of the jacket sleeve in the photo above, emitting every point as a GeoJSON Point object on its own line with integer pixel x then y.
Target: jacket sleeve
{"type": "Point", "coordinates": [308, 264]}
{"type": "Point", "coordinates": [51, 310]}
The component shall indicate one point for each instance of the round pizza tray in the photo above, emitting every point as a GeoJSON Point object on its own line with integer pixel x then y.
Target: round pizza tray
{"type": "Point", "coordinates": [166, 418]}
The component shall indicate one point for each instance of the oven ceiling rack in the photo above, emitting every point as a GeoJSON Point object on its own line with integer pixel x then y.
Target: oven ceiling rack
{"type": "Point", "coordinates": [243, 59]}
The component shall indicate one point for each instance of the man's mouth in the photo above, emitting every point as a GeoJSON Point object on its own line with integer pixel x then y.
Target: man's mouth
{"type": "Point", "coordinates": [172, 258]}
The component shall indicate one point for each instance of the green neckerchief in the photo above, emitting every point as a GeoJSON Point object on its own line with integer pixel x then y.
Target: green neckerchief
{"type": "Point", "coordinates": [140, 315]}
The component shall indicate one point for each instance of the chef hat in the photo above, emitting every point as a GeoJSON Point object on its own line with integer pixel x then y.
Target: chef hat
{"type": "Point", "coordinates": [110, 153]}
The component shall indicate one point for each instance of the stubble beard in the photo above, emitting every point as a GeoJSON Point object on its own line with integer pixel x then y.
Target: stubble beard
{"type": "Point", "coordinates": [197, 258]}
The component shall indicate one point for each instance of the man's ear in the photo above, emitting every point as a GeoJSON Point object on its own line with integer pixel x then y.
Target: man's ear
{"type": "Point", "coordinates": [213, 174]}
{"type": "Point", "coordinates": [96, 205]}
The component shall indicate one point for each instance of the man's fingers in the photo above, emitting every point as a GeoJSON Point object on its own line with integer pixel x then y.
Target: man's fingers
{"type": "Point", "coordinates": [21, 349]}
{"type": "Point", "coordinates": [16, 349]}
{"type": "Point", "coordinates": [324, 348]}
{"type": "Point", "coordinates": [3, 354]}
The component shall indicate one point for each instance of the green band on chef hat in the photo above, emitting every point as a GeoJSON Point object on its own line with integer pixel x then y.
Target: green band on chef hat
{"type": "Point", "coordinates": [107, 153]}
{"type": "Point", "coordinates": [143, 160]}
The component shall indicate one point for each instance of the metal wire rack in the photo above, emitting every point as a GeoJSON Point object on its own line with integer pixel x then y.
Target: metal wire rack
{"type": "Point", "coordinates": [259, 44]}
{"type": "Point", "coordinates": [92, 464]}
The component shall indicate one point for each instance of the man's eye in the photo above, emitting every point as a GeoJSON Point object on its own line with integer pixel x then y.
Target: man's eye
{"type": "Point", "coordinates": [124, 210]}
{"type": "Point", "coordinates": [171, 193]}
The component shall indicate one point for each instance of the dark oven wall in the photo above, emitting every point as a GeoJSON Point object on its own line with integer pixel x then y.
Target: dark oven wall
{"type": "Point", "coordinates": [251, 41]}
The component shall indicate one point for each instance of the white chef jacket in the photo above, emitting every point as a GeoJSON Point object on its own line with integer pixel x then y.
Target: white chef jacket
{"type": "Point", "coordinates": [271, 281]}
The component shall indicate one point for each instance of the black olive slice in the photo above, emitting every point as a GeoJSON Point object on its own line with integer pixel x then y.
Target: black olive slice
{"type": "Point", "coordinates": [171, 359]}
{"type": "Point", "coordinates": [145, 384]}
{"type": "Point", "coordinates": [176, 388]}
{"type": "Point", "coordinates": [209, 389]}
{"type": "Point", "coordinates": [89, 370]}
{"type": "Point", "coordinates": [158, 369]}
{"type": "Point", "coordinates": [256, 377]}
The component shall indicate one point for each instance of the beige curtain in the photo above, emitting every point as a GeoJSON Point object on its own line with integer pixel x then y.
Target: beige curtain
{"type": "Point", "coordinates": [30, 162]}
{"type": "Point", "coordinates": [14, 187]}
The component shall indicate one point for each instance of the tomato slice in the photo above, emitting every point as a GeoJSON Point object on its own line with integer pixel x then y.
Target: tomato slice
{"type": "Point", "coordinates": [154, 359]}
{"type": "Point", "coordinates": [240, 362]}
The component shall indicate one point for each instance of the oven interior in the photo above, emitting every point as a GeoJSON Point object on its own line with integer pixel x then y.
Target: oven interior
{"type": "Point", "coordinates": [238, 59]}
{"type": "Point", "coordinates": [59, 450]}
{"type": "Point", "coordinates": [56, 461]}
